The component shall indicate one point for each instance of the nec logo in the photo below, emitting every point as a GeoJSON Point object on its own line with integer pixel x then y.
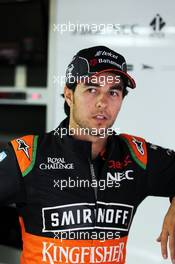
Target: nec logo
{"type": "Point", "coordinates": [120, 176]}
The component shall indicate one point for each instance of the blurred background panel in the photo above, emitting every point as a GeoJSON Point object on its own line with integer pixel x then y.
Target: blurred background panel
{"type": "Point", "coordinates": [24, 41]}
{"type": "Point", "coordinates": [19, 119]}
{"type": "Point", "coordinates": [23, 92]}
{"type": "Point", "coordinates": [23, 67]}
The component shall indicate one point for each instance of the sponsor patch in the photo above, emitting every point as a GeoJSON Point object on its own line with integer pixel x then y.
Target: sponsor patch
{"type": "Point", "coordinates": [79, 216]}
{"type": "Point", "coordinates": [55, 163]}
{"type": "Point", "coordinates": [120, 176]}
{"type": "Point", "coordinates": [139, 146]}
{"type": "Point", "coordinates": [114, 164]}
{"type": "Point", "coordinates": [24, 147]}
{"type": "Point", "coordinates": [3, 155]}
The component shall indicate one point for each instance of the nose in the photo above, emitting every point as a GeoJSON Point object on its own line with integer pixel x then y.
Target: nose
{"type": "Point", "coordinates": [101, 101]}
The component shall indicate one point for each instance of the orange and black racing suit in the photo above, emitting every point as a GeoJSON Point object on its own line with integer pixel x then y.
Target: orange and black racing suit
{"type": "Point", "coordinates": [67, 213]}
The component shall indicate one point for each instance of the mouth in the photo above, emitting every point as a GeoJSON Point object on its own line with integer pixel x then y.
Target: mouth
{"type": "Point", "coordinates": [100, 117]}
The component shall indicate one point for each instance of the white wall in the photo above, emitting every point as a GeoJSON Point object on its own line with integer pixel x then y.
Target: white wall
{"type": "Point", "coordinates": [148, 111]}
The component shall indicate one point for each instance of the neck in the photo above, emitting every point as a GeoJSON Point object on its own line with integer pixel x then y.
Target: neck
{"type": "Point", "coordinates": [98, 143]}
{"type": "Point", "coordinates": [97, 147]}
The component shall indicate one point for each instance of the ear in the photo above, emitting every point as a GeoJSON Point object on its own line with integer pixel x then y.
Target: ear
{"type": "Point", "coordinates": [68, 95]}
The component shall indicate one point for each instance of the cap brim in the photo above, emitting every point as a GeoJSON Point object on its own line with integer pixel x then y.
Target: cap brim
{"type": "Point", "coordinates": [129, 80]}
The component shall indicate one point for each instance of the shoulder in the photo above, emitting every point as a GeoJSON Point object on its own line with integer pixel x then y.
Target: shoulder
{"type": "Point", "coordinates": [25, 145]}
{"type": "Point", "coordinates": [25, 149]}
{"type": "Point", "coordinates": [137, 147]}
{"type": "Point", "coordinates": [28, 144]}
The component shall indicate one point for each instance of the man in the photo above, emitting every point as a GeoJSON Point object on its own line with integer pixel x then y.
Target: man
{"type": "Point", "coordinates": [77, 188]}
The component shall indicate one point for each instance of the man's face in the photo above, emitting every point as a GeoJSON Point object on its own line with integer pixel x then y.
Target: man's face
{"type": "Point", "coordinates": [96, 103]}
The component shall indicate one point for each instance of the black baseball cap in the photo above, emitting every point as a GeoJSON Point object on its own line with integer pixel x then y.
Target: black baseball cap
{"type": "Point", "coordinates": [94, 60]}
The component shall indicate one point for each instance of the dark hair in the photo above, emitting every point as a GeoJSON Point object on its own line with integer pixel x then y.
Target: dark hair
{"type": "Point", "coordinates": [66, 106]}
{"type": "Point", "coordinates": [73, 87]}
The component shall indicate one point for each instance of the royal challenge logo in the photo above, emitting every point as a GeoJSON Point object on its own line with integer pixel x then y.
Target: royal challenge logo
{"type": "Point", "coordinates": [56, 163]}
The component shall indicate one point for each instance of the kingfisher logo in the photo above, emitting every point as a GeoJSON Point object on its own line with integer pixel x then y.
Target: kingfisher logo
{"type": "Point", "coordinates": [157, 25]}
{"type": "Point", "coordinates": [56, 253]}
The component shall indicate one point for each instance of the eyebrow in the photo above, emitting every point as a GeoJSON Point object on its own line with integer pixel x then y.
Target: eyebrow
{"type": "Point", "coordinates": [117, 87]}
{"type": "Point", "coordinates": [113, 87]}
{"type": "Point", "coordinates": [91, 83]}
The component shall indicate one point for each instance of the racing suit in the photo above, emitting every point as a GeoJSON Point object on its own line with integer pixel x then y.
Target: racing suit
{"type": "Point", "coordinates": [67, 215]}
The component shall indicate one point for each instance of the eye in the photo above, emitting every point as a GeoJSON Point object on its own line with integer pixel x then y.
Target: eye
{"type": "Point", "coordinates": [114, 93]}
{"type": "Point", "coordinates": [91, 90]}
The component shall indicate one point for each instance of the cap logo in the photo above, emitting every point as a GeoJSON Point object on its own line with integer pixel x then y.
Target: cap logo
{"type": "Point", "coordinates": [105, 53]}
{"type": "Point", "coordinates": [93, 62]}
{"type": "Point", "coordinates": [69, 70]}
{"type": "Point", "coordinates": [98, 53]}
{"type": "Point", "coordinates": [107, 61]}
{"type": "Point", "coordinates": [124, 67]}
{"type": "Point", "coordinates": [90, 61]}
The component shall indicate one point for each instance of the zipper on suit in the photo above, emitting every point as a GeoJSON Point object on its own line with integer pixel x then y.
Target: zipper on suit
{"type": "Point", "coordinates": [93, 177]}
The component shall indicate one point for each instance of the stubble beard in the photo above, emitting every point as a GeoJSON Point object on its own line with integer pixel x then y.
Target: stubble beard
{"type": "Point", "coordinates": [89, 130]}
